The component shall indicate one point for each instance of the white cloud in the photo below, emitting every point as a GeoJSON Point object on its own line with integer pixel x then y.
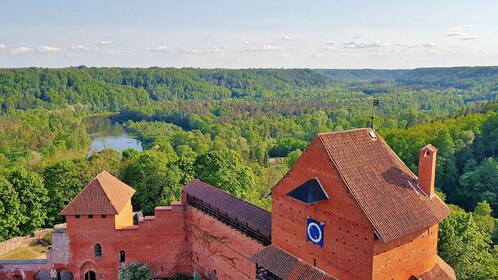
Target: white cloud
{"type": "Point", "coordinates": [358, 36]}
{"type": "Point", "coordinates": [115, 52]}
{"type": "Point", "coordinates": [364, 45]}
{"type": "Point", "coordinates": [39, 49]}
{"type": "Point", "coordinates": [455, 34]}
{"type": "Point", "coordinates": [328, 49]}
{"type": "Point", "coordinates": [286, 38]}
{"type": "Point", "coordinates": [104, 43]}
{"type": "Point", "coordinates": [332, 43]}
{"type": "Point", "coordinates": [83, 48]}
{"type": "Point", "coordinates": [200, 50]}
{"type": "Point", "coordinates": [47, 49]}
{"type": "Point", "coordinates": [159, 49]}
{"type": "Point", "coordinates": [22, 50]}
{"type": "Point", "coordinates": [468, 38]}
{"type": "Point", "coordinates": [263, 48]}
{"type": "Point", "coordinates": [429, 45]}
{"type": "Point", "coordinates": [245, 43]}
{"type": "Point", "coordinates": [2, 46]}
{"type": "Point", "coordinates": [460, 27]}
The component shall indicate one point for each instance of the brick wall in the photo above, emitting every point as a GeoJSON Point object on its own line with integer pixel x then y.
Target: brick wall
{"type": "Point", "coordinates": [219, 251]}
{"type": "Point", "coordinates": [409, 255]}
{"type": "Point", "coordinates": [158, 240]}
{"type": "Point", "coordinates": [347, 252]}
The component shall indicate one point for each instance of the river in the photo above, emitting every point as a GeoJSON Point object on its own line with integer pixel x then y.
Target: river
{"type": "Point", "coordinates": [106, 133]}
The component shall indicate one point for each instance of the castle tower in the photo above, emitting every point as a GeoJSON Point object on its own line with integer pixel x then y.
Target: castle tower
{"type": "Point", "coordinates": [92, 218]}
{"type": "Point", "coordinates": [352, 209]}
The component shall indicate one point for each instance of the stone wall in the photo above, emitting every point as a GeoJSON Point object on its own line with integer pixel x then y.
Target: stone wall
{"type": "Point", "coordinates": [22, 241]}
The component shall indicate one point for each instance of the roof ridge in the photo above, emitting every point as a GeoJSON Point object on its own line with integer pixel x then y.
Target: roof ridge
{"type": "Point", "coordinates": [345, 131]}
{"type": "Point", "coordinates": [104, 189]}
{"type": "Point", "coordinates": [369, 218]}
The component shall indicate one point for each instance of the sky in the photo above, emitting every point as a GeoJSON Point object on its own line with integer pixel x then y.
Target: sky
{"type": "Point", "coordinates": [248, 34]}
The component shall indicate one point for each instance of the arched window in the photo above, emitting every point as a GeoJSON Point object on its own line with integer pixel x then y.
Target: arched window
{"type": "Point", "coordinates": [98, 250]}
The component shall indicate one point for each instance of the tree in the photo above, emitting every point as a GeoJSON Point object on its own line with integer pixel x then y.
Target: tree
{"type": "Point", "coordinates": [224, 170]}
{"type": "Point", "coordinates": [156, 182]}
{"type": "Point", "coordinates": [134, 271]}
{"type": "Point", "coordinates": [63, 181]}
{"type": "Point", "coordinates": [33, 197]}
{"type": "Point", "coordinates": [480, 183]}
{"type": "Point", "coordinates": [466, 248]}
{"type": "Point", "coordinates": [292, 157]}
{"type": "Point", "coordinates": [10, 210]}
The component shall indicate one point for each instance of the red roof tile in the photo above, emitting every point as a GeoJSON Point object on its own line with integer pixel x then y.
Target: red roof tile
{"type": "Point", "coordinates": [382, 185]}
{"type": "Point", "coordinates": [233, 207]}
{"type": "Point", "coordinates": [287, 266]}
{"type": "Point", "coordinates": [440, 271]}
{"type": "Point", "coordinates": [105, 194]}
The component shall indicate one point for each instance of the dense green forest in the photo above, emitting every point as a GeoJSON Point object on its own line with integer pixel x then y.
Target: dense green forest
{"type": "Point", "coordinates": [241, 130]}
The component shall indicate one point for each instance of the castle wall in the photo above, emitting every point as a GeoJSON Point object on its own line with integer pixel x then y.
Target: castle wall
{"type": "Point", "coordinates": [160, 241]}
{"type": "Point", "coordinates": [347, 250]}
{"type": "Point", "coordinates": [219, 251]}
{"type": "Point", "coordinates": [409, 255]}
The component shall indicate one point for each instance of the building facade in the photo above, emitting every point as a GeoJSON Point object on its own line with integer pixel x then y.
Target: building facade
{"type": "Point", "coordinates": [348, 209]}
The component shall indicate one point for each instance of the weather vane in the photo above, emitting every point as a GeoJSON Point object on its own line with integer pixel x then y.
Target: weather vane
{"type": "Point", "coordinates": [376, 103]}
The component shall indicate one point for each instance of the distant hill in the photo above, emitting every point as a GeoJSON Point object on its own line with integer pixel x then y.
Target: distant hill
{"type": "Point", "coordinates": [362, 74]}
{"type": "Point", "coordinates": [456, 77]}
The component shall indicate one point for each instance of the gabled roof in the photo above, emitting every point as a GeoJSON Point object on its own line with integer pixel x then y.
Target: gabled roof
{"type": "Point", "coordinates": [241, 211]}
{"type": "Point", "coordinates": [105, 194]}
{"type": "Point", "coordinates": [310, 192]}
{"type": "Point", "coordinates": [287, 266]}
{"type": "Point", "coordinates": [382, 185]}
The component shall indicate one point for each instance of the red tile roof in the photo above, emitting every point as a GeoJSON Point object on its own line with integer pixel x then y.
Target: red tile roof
{"type": "Point", "coordinates": [440, 271]}
{"type": "Point", "coordinates": [382, 185]}
{"type": "Point", "coordinates": [287, 266]}
{"type": "Point", "coordinates": [236, 209]}
{"type": "Point", "coordinates": [105, 194]}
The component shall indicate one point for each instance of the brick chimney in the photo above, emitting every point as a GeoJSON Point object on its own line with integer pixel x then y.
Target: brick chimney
{"type": "Point", "coordinates": [427, 169]}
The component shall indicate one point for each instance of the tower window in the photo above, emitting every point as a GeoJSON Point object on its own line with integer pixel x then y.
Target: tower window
{"type": "Point", "coordinates": [98, 250]}
{"type": "Point", "coordinates": [122, 257]}
{"type": "Point", "coordinates": [103, 216]}
{"type": "Point", "coordinates": [90, 216]}
{"type": "Point", "coordinates": [77, 216]}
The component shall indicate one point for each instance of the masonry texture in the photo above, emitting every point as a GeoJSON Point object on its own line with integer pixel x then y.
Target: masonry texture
{"type": "Point", "coordinates": [348, 209]}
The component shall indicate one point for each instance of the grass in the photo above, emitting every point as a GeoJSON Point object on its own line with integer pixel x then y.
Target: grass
{"type": "Point", "coordinates": [25, 253]}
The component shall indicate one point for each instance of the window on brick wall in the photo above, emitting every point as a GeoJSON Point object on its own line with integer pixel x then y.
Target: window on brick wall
{"type": "Point", "coordinates": [98, 250]}
{"type": "Point", "coordinates": [122, 257]}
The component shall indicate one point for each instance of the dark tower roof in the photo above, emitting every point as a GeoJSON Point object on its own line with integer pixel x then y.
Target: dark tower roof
{"type": "Point", "coordinates": [310, 192]}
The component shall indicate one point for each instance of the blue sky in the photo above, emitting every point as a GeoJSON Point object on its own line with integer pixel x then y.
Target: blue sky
{"type": "Point", "coordinates": [248, 34]}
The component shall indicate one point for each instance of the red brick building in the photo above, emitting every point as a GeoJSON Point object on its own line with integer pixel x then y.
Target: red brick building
{"type": "Point", "coordinates": [348, 209]}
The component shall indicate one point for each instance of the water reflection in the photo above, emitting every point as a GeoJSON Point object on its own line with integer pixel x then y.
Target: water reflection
{"type": "Point", "coordinates": [106, 133]}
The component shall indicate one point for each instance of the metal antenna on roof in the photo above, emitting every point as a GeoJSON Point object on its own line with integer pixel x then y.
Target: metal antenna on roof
{"type": "Point", "coordinates": [376, 103]}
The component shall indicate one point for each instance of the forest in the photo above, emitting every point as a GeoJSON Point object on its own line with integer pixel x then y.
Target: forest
{"type": "Point", "coordinates": [240, 130]}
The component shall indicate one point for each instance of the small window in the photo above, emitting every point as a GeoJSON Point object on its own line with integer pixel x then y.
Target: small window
{"type": "Point", "coordinates": [103, 216]}
{"type": "Point", "coordinates": [122, 257]}
{"type": "Point", "coordinates": [427, 153]}
{"type": "Point", "coordinates": [77, 216]}
{"type": "Point", "coordinates": [90, 216]}
{"type": "Point", "coordinates": [98, 250]}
